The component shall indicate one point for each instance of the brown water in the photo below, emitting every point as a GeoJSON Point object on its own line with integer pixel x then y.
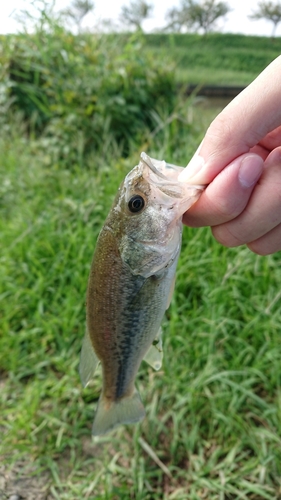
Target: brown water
{"type": "Point", "coordinates": [204, 109]}
{"type": "Point", "coordinates": [214, 102]}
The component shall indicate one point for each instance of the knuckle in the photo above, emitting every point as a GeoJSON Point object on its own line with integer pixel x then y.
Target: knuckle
{"type": "Point", "coordinates": [264, 246]}
{"type": "Point", "coordinates": [258, 249]}
{"type": "Point", "coordinates": [224, 198]}
{"type": "Point", "coordinates": [228, 208]}
{"type": "Point", "coordinates": [225, 237]}
{"type": "Point", "coordinates": [225, 208]}
{"type": "Point", "coordinates": [221, 123]}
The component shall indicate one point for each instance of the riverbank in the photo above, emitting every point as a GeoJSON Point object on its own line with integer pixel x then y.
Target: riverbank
{"type": "Point", "coordinates": [215, 59]}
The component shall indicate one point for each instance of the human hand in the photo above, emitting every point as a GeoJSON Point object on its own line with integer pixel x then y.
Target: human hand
{"type": "Point", "coordinates": [240, 160]}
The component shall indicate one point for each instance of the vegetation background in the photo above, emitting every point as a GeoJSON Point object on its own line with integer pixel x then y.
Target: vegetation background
{"type": "Point", "coordinates": [75, 113]}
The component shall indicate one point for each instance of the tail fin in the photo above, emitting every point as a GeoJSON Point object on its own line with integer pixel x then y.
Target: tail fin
{"type": "Point", "coordinates": [128, 410]}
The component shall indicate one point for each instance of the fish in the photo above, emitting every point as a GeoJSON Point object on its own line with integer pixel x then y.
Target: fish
{"type": "Point", "coordinates": [130, 286]}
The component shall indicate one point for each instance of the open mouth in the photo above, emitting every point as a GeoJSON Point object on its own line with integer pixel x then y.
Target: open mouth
{"type": "Point", "coordinates": [147, 160]}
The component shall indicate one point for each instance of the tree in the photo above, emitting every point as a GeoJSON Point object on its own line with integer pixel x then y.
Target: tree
{"type": "Point", "coordinates": [135, 13]}
{"type": "Point", "coordinates": [78, 10]}
{"type": "Point", "coordinates": [195, 15]}
{"type": "Point", "coordinates": [271, 11]}
{"type": "Point", "coordinates": [40, 15]}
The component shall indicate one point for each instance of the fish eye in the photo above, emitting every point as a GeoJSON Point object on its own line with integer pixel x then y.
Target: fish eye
{"type": "Point", "coordinates": [136, 204]}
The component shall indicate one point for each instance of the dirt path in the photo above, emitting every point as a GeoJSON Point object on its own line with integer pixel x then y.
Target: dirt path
{"type": "Point", "coordinates": [20, 481]}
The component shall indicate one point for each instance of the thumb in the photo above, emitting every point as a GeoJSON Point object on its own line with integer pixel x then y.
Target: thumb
{"type": "Point", "coordinates": [239, 127]}
{"type": "Point", "coordinates": [228, 194]}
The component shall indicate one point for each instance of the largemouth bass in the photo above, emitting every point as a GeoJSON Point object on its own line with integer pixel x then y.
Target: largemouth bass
{"type": "Point", "coordinates": [131, 284]}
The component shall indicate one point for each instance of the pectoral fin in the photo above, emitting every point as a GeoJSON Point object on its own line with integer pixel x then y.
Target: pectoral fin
{"type": "Point", "coordinates": [88, 361]}
{"type": "Point", "coordinates": [171, 292]}
{"type": "Point", "coordinates": [154, 354]}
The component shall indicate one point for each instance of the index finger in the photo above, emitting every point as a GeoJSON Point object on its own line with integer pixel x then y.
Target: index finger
{"type": "Point", "coordinates": [239, 127]}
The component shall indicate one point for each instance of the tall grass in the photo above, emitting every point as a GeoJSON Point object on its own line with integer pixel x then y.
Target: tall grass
{"type": "Point", "coordinates": [213, 412]}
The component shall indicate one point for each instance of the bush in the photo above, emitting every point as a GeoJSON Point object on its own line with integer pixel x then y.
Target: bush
{"type": "Point", "coordinates": [76, 92]}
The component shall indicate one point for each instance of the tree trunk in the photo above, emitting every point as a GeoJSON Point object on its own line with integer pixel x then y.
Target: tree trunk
{"type": "Point", "coordinates": [273, 31]}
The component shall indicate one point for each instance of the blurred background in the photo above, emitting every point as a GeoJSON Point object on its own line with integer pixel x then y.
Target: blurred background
{"type": "Point", "coordinates": [154, 14]}
{"type": "Point", "coordinates": [85, 87]}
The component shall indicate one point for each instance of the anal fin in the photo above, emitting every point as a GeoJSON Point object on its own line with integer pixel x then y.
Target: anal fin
{"type": "Point", "coordinates": [154, 355]}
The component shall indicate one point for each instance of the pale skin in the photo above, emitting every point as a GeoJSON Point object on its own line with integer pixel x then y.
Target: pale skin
{"type": "Point", "coordinates": [240, 161]}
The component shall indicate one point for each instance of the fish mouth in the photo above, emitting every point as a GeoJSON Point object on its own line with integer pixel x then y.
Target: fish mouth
{"type": "Point", "coordinates": [147, 160]}
{"type": "Point", "coordinates": [172, 172]}
{"type": "Point", "coordinates": [158, 181]}
{"type": "Point", "coordinates": [168, 182]}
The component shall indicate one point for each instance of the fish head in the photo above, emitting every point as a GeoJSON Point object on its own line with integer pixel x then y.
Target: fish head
{"type": "Point", "coordinates": [149, 209]}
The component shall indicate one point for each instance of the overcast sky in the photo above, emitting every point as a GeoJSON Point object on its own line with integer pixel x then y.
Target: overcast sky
{"type": "Point", "coordinates": [236, 22]}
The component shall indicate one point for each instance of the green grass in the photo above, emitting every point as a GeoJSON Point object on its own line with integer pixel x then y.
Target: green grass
{"type": "Point", "coordinates": [222, 59]}
{"type": "Point", "coordinates": [213, 425]}
{"type": "Point", "coordinates": [186, 75]}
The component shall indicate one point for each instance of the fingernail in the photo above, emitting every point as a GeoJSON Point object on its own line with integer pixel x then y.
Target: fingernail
{"type": "Point", "coordinates": [192, 170]}
{"type": "Point", "coordinates": [250, 170]}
